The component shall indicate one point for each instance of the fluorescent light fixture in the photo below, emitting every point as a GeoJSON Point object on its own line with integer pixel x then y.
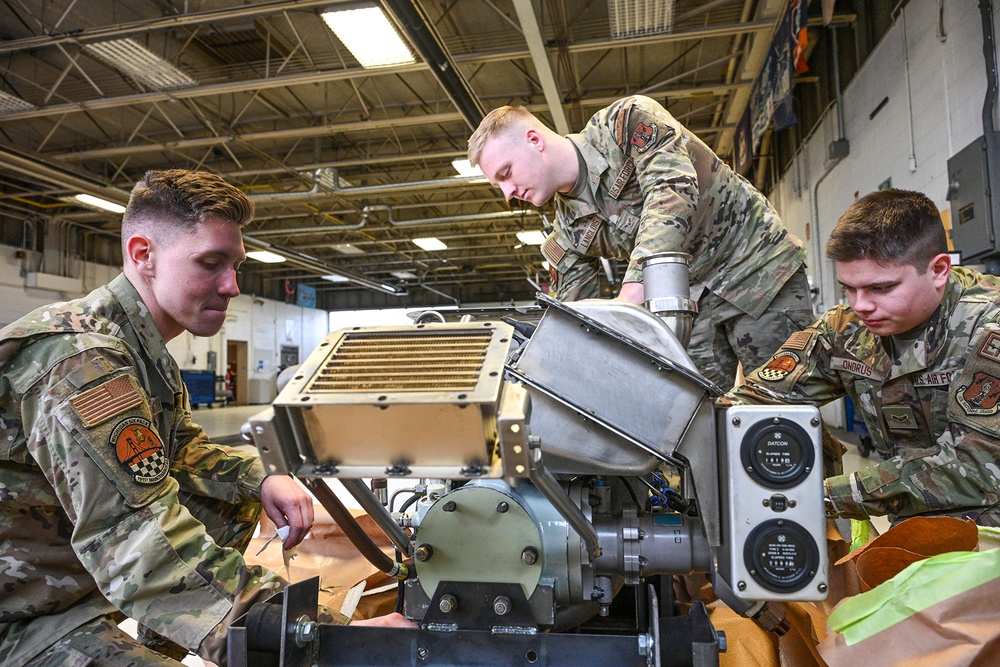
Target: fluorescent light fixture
{"type": "Point", "coordinates": [131, 58]}
{"type": "Point", "coordinates": [348, 249]}
{"type": "Point", "coordinates": [334, 278]}
{"type": "Point", "coordinates": [404, 275]}
{"type": "Point", "coordinates": [11, 103]}
{"type": "Point", "coordinates": [369, 36]}
{"type": "Point", "coordinates": [429, 243]}
{"type": "Point", "coordinates": [465, 168]}
{"type": "Point", "coordinates": [97, 202]}
{"type": "Point", "coordinates": [533, 237]}
{"type": "Point", "coordinates": [265, 256]}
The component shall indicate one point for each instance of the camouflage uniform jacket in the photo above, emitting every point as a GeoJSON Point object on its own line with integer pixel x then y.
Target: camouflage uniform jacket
{"type": "Point", "coordinates": [653, 186]}
{"type": "Point", "coordinates": [933, 413]}
{"type": "Point", "coordinates": [96, 441]}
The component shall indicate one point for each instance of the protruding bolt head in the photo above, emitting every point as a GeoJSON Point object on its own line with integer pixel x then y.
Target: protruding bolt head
{"type": "Point", "coordinates": [529, 556]}
{"type": "Point", "coordinates": [448, 604]}
{"type": "Point", "coordinates": [449, 506]}
{"type": "Point", "coordinates": [423, 652]}
{"type": "Point", "coordinates": [501, 605]}
{"type": "Point", "coordinates": [814, 421]}
{"type": "Point", "coordinates": [502, 507]}
{"type": "Point", "coordinates": [742, 585]}
{"type": "Point", "coordinates": [423, 553]}
{"type": "Point", "coordinates": [736, 421]}
{"type": "Point", "coordinates": [305, 631]}
{"type": "Point", "coordinates": [821, 588]}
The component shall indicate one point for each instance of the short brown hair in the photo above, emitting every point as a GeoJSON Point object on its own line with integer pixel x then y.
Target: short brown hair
{"type": "Point", "coordinates": [180, 199]}
{"type": "Point", "coordinates": [890, 227]}
{"type": "Point", "coordinates": [495, 122]}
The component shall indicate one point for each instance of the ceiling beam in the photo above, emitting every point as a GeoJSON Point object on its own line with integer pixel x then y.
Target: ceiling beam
{"type": "Point", "coordinates": [140, 27]}
{"type": "Point", "coordinates": [324, 76]}
{"type": "Point", "coordinates": [540, 57]}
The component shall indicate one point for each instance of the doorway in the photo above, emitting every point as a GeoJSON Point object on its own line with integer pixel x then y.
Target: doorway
{"type": "Point", "coordinates": [237, 370]}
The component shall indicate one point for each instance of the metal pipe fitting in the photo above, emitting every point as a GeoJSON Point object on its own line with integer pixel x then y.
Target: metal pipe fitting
{"type": "Point", "coordinates": [667, 290]}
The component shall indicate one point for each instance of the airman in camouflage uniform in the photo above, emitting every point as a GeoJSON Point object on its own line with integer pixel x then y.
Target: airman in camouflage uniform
{"type": "Point", "coordinates": [924, 372]}
{"type": "Point", "coordinates": [636, 182]}
{"type": "Point", "coordinates": [112, 502]}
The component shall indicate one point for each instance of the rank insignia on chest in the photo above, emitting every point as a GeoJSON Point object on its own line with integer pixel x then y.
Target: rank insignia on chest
{"type": "Point", "coordinates": [899, 417]}
{"type": "Point", "coordinates": [981, 396]}
{"type": "Point", "coordinates": [139, 450]}
{"type": "Point", "coordinates": [779, 367]}
{"type": "Point", "coordinates": [622, 178]}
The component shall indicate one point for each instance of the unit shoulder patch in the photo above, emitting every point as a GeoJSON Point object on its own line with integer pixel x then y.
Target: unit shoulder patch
{"type": "Point", "coordinates": [981, 396]}
{"type": "Point", "coordinates": [779, 367]}
{"type": "Point", "coordinates": [643, 136]}
{"type": "Point", "coordinates": [139, 450]}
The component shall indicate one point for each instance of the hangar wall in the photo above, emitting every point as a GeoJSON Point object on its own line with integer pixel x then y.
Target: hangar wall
{"type": "Point", "coordinates": [934, 86]}
{"type": "Point", "coordinates": [266, 326]}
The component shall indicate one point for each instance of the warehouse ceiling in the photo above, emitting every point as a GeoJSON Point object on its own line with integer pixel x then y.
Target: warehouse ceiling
{"type": "Point", "coordinates": [347, 165]}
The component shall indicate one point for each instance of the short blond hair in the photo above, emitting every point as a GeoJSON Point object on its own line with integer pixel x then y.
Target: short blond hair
{"type": "Point", "coordinates": [496, 122]}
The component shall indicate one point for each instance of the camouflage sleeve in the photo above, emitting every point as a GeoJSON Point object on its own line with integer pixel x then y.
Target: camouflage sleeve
{"type": "Point", "coordinates": [92, 435]}
{"type": "Point", "coordinates": [799, 372]}
{"type": "Point", "coordinates": [961, 471]}
{"type": "Point", "coordinates": [669, 183]}
{"type": "Point", "coordinates": [216, 471]}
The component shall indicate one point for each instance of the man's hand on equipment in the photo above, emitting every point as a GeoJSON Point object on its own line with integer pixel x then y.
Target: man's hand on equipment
{"type": "Point", "coordinates": [631, 292]}
{"type": "Point", "coordinates": [287, 504]}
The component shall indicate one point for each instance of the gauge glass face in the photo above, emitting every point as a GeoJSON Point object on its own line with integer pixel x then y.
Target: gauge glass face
{"type": "Point", "coordinates": [781, 556]}
{"type": "Point", "coordinates": [777, 453]}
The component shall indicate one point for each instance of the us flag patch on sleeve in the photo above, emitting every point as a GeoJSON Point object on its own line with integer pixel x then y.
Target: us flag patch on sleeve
{"type": "Point", "coordinates": [552, 250]}
{"type": "Point", "coordinates": [96, 406]}
{"type": "Point", "coordinates": [798, 340]}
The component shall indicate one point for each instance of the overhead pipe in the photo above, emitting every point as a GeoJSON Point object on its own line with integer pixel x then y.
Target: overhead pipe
{"type": "Point", "coordinates": [366, 217]}
{"type": "Point", "coordinates": [36, 168]}
{"type": "Point", "coordinates": [317, 266]}
{"type": "Point", "coordinates": [493, 215]}
{"type": "Point", "coordinates": [410, 17]}
{"type": "Point", "coordinates": [334, 187]}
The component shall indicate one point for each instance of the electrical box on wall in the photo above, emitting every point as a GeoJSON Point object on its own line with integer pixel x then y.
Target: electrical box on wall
{"type": "Point", "coordinates": [975, 210]}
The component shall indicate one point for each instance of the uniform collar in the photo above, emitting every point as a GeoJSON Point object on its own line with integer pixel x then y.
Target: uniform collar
{"type": "Point", "coordinates": [141, 322]}
{"type": "Point", "coordinates": [597, 164]}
